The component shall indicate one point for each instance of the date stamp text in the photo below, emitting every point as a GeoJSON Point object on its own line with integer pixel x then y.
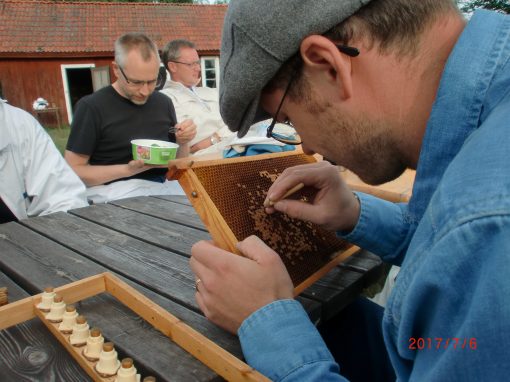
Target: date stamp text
{"type": "Point", "coordinates": [440, 343]}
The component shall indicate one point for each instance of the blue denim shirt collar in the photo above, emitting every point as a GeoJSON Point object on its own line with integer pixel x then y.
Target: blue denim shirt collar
{"type": "Point", "coordinates": [457, 109]}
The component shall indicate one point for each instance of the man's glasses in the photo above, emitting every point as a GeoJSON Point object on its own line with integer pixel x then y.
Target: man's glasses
{"type": "Point", "coordinates": [287, 134]}
{"type": "Point", "coordinates": [138, 84]}
{"type": "Point", "coordinates": [188, 64]}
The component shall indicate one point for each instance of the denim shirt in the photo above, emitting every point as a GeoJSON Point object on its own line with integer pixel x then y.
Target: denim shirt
{"type": "Point", "coordinates": [448, 317]}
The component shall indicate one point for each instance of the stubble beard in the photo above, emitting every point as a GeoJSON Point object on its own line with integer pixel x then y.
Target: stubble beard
{"type": "Point", "coordinates": [358, 143]}
{"type": "Point", "coordinates": [131, 96]}
{"type": "Point", "coordinates": [139, 103]}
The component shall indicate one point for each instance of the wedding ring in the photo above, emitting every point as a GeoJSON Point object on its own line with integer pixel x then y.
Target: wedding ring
{"type": "Point", "coordinates": [196, 284]}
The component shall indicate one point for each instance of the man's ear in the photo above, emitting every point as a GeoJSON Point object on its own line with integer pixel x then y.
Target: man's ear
{"type": "Point", "coordinates": [321, 56]}
{"type": "Point", "coordinates": [115, 68]}
{"type": "Point", "coordinates": [171, 67]}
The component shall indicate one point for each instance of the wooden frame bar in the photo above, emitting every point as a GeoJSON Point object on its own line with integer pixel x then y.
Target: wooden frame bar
{"type": "Point", "coordinates": [206, 351]}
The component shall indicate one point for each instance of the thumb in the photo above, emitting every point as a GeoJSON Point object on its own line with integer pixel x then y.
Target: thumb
{"type": "Point", "coordinates": [296, 209]}
{"type": "Point", "coordinates": [255, 249]}
{"type": "Point", "coordinates": [138, 163]}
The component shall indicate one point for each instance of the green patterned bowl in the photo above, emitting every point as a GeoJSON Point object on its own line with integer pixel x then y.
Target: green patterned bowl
{"type": "Point", "coordinates": [153, 151]}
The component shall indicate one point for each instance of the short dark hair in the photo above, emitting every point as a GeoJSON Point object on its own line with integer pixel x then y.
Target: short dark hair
{"type": "Point", "coordinates": [134, 40]}
{"type": "Point", "coordinates": [172, 50]}
{"type": "Point", "coordinates": [395, 26]}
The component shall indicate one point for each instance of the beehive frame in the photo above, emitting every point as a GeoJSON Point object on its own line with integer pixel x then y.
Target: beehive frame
{"type": "Point", "coordinates": [228, 196]}
{"type": "Point", "coordinates": [213, 356]}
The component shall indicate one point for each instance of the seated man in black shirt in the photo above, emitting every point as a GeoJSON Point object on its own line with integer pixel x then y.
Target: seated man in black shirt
{"type": "Point", "coordinates": [105, 122]}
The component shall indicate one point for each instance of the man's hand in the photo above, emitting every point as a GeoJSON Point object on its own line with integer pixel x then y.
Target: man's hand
{"type": "Point", "coordinates": [137, 166]}
{"type": "Point", "coordinates": [232, 287]}
{"type": "Point", "coordinates": [334, 207]}
{"type": "Point", "coordinates": [185, 131]}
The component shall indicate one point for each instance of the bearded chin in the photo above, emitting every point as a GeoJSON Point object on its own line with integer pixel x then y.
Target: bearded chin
{"type": "Point", "coordinates": [139, 103]}
{"type": "Point", "coordinates": [360, 144]}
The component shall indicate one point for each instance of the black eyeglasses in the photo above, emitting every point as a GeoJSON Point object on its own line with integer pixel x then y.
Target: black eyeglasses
{"type": "Point", "coordinates": [287, 134]}
{"type": "Point", "coordinates": [139, 84]}
{"type": "Point", "coordinates": [188, 64]}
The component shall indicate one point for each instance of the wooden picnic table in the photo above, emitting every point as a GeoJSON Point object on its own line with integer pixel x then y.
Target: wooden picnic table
{"type": "Point", "coordinates": [145, 241]}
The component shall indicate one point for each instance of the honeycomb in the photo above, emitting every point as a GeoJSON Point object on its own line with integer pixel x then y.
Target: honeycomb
{"type": "Point", "coordinates": [238, 191]}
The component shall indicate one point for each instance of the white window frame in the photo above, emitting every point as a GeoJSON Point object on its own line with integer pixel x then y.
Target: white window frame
{"type": "Point", "coordinates": [63, 69]}
{"type": "Point", "coordinates": [216, 68]}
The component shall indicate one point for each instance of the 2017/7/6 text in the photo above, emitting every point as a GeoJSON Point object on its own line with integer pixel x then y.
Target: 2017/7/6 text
{"type": "Point", "coordinates": [440, 343]}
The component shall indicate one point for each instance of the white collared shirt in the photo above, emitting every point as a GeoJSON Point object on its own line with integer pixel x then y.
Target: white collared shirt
{"type": "Point", "coordinates": [201, 105]}
{"type": "Point", "coordinates": [36, 180]}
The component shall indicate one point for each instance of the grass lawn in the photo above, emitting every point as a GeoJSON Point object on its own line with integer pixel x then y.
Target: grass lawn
{"type": "Point", "coordinates": [59, 136]}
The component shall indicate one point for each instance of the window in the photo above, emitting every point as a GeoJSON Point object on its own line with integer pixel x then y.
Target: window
{"type": "Point", "coordinates": [210, 71]}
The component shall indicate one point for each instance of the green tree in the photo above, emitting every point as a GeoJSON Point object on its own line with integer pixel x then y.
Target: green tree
{"type": "Point", "coordinates": [496, 5]}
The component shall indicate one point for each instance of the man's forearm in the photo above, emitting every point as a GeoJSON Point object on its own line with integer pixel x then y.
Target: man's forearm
{"type": "Point", "coordinates": [97, 175]}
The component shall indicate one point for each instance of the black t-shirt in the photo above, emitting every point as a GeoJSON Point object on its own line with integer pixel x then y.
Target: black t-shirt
{"type": "Point", "coordinates": [104, 124]}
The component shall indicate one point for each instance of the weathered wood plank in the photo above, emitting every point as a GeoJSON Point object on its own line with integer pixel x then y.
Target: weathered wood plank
{"type": "Point", "coordinates": [181, 199]}
{"type": "Point", "coordinates": [362, 261]}
{"type": "Point", "coordinates": [163, 233]}
{"type": "Point", "coordinates": [367, 263]}
{"type": "Point", "coordinates": [313, 308]}
{"type": "Point", "coordinates": [155, 268]}
{"type": "Point", "coordinates": [163, 209]}
{"type": "Point", "coordinates": [335, 290]}
{"type": "Point", "coordinates": [29, 352]}
{"type": "Point", "coordinates": [15, 293]}
{"type": "Point", "coordinates": [40, 263]}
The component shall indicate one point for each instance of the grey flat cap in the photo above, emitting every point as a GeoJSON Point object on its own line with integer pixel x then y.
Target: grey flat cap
{"type": "Point", "coordinates": [258, 37]}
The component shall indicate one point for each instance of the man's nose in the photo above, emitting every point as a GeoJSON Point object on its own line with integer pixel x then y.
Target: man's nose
{"type": "Point", "coordinates": [146, 90]}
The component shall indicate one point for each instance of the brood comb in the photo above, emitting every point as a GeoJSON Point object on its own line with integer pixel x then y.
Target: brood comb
{"type": "Point", "coordinates": [228, 195]}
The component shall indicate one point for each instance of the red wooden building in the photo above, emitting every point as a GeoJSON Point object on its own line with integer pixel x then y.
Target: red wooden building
{"type": "Point", "coordinates": [61, 51]}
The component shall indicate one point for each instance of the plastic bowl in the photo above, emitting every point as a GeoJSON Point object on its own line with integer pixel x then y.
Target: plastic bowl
{"type": "Point", "coordinates": [153, 151]}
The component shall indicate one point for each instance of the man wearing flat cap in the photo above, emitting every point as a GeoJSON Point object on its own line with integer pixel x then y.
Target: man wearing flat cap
{"type": "Point", "coordinates": [377, 87]}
